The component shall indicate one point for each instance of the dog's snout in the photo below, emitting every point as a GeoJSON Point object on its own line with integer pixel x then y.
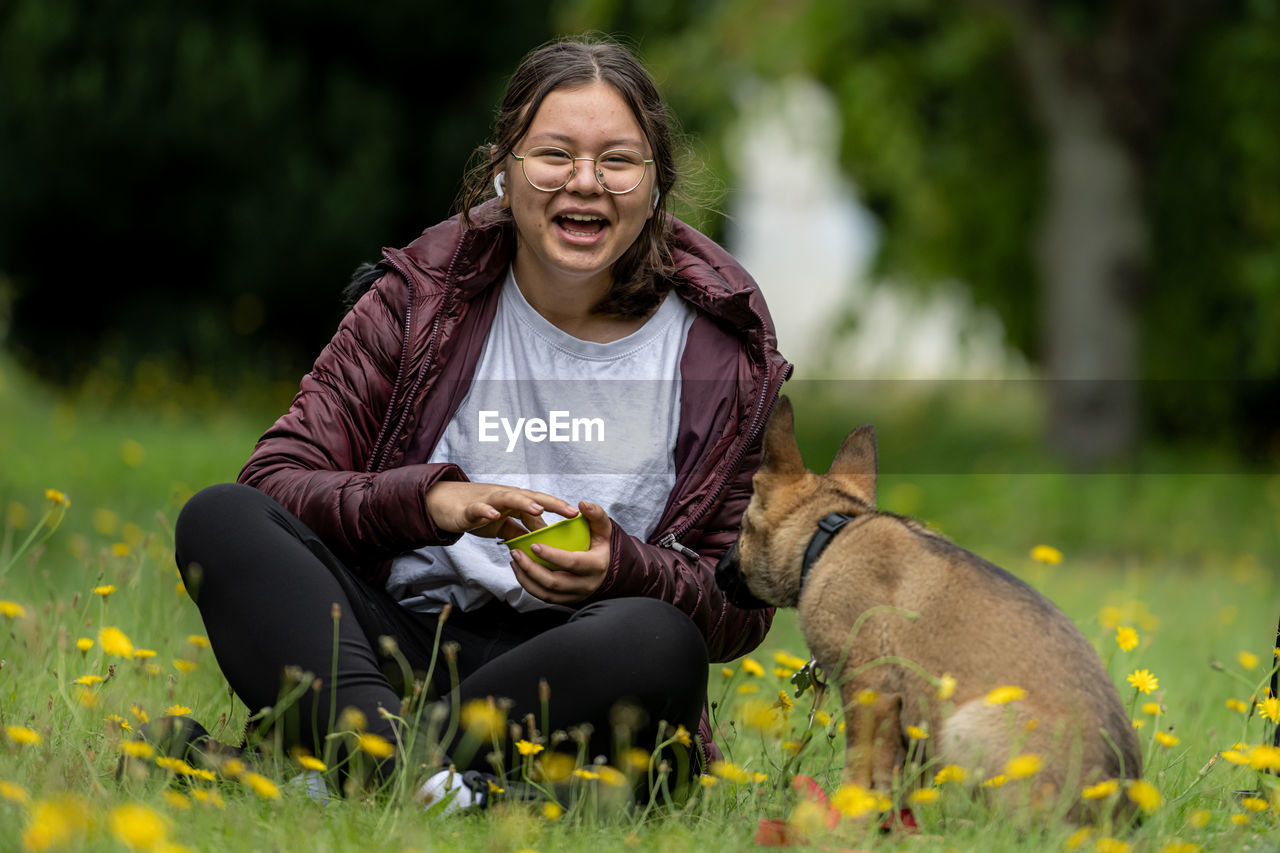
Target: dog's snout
{"type": "Point", "coordinates": [733, 585]}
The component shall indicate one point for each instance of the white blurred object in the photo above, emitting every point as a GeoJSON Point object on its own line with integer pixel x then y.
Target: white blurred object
{"type": "Point", "coordinates": [797, 227]}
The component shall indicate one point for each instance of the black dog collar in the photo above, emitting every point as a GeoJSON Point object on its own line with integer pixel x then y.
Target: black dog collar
{"type": "Point", "coordinates": [828, 527]}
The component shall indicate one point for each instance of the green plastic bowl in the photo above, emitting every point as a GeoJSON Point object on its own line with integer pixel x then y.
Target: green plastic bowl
{"type": "Point", "coordinates": [570, 534]}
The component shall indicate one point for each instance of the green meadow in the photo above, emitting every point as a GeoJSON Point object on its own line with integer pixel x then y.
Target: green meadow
{"type": "Point", "coordinates": [1168, 565]}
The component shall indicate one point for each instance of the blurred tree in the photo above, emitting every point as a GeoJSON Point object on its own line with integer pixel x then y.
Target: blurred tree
{"type": "Point", "coordinates": [200, 178]}
{"type": "Point", "coordinates": [1101, 173]}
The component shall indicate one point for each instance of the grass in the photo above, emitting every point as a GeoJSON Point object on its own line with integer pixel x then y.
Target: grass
{"type": "Point", "coordinates": [1186, 559]}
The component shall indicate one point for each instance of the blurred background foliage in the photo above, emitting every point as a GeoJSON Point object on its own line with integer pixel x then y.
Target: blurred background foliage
{"type": "Point", "coordinates": [184, 188]}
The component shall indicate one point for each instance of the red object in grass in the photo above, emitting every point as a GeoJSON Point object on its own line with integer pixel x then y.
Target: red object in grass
{"type": "Point", "coordinates": [775, 832]}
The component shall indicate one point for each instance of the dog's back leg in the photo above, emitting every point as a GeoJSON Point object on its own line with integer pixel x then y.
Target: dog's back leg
{"type": "Point", "coordinates": [875, 748]}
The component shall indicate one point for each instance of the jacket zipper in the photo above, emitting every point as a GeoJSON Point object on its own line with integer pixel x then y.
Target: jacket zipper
{"type": "Point", "coordinates": [757, 424]}
{"type": "Point", "coordinates": [381, 455]}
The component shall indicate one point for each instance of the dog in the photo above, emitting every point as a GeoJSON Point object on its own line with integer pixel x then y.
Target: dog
{"type": "Point", "coordinates": [917, 631]}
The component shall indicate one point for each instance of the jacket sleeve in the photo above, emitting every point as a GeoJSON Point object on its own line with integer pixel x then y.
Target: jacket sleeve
{"type": "Point", "coordinates": [638, 568]}
{"type": "Point", "coordinates": [314, 460]}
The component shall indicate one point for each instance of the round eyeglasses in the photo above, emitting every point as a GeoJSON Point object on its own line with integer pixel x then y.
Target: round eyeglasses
{"type": "Point", "coordinates": [550, 169]}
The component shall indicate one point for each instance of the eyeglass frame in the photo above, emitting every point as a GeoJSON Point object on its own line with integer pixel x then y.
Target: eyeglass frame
{"type": "Point", "coordinates": [573, 171]}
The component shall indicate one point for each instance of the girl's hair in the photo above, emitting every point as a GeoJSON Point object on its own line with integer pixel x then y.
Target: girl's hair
{"type": "Point", "coordinates": [641, 276]}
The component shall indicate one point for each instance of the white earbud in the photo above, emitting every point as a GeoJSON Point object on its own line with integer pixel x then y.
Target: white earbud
{"type": "Point", "coordinates": [656, 196]}
{"type": "Point", "coordinates": [499, 184]}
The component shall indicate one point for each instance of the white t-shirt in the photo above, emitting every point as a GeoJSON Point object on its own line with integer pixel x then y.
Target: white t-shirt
{"type": "Point", "coordinates": [599, 424]}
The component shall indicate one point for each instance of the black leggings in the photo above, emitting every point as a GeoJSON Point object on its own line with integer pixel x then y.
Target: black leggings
{"type": "Point", "coordinates": [267, 588]}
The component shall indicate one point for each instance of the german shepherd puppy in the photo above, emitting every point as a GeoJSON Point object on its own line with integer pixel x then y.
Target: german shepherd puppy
{"type": "Point", "coordinates": [888, 608]}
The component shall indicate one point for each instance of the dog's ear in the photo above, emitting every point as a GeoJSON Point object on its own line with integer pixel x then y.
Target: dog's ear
{"type": "Point", "coordinates": [781, 453]}
{"type": "Point", "coordinates": [856, 461]}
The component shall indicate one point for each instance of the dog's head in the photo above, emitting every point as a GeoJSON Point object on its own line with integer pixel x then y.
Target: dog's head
{"type": "Point", "coordinates": [763, 567]}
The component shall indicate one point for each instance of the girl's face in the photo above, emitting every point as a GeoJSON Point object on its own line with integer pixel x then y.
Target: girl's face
{"type": "Point", "coordinates": [577, 233]}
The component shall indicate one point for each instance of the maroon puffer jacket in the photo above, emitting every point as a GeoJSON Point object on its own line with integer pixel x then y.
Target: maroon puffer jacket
{"type": "Point", "coordinates": [348, 458]}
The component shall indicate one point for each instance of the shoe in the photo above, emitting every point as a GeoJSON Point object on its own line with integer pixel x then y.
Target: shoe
{"type": "Point", "coordinates": [452, 791]}
{"type": "Point", "coordinates": [311, 783]}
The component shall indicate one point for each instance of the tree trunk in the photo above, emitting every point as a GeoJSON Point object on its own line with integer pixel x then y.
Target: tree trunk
{"type": "Point", "coordinates": [1091, 253]}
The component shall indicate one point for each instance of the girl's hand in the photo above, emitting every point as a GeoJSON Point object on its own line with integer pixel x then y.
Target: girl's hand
{"type": "Point", "coordinates": [578, 573]}
{"type": "Point", "coordinates": [486, 509]}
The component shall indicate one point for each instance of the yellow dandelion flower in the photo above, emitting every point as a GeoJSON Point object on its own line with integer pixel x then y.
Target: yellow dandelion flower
{"type": "Point", "coordinates": [201, 773]}
{"type": "Point", "coordinates": [184, 666]}
{"type": "Point", "coordinates": [1126, 638]}
{"type": "Point", "coordinates": [636, 759]}
{"type": "Point", "coordinates": [866, 697]}
{"type": "Point", "coordinates": [1046, 554]}
{"type": "Point", "coordinates": [752, 667]}
{"type": "Point", "coordinates": [198, 640]}
{"type": "Point", "coordinates": [822, 718]}
{"type": "Point", "coordinates": [261, 785]}
{"type": "Point", "coordinates": [495, 788]}
{"type": "Point", "coordinates": [1145, 795]}
{"type": "Point", "coordinates": [783, 672]}
{"type": "Point", "coordinates": [726, 672]}
{"type": "Point", "coordinates": [757, 777]}
{"type": "Point", "coordinates": [22, 735]}
{"type": "Point", "coordinates": [482, 718]}
{"type": "Point", "coordinates": [788, 660]}
{"type": "Point", "coordinates": [784, 701]}
{"type": "Point", "coordinates": [1199, 818]}
{"type": "Point", "coordinates": [175, 765]}
{"type": "Point", "coordinates": [13, 610]}
{"type": "Point", "coordinates": [139, 827]}
{"type": "Point", "coordinates": [758, 715]}
{"type": "Point", "coordinates": [1137, 724]}
{"type": "Point", "coordinates": [1080, 836]}
{"type": "Point", "coordinates": [789, 746]}
{"type": "Point", "coordinates": [137, 749]}
{"type": "Point", "coordinates": [1100, 791]}
{"type": "Point", "coordinates": [1143, 680]}
{"type": "Point", "coordinates": [1248, 660]}
{"type": "Point", "coordinates": [854, 801]}
{"type": "Point", "coordinates": [950, 773]}
{"type": "Point", "coordinates": [611, 776]}
{"type": "Point", "coordinates": [120, 549]}
{"type": "Point", "coordinates": [1179, 846]}
{"type": "Point", "coordinates": [138, 713]}
{"type": "Point", "coordinates": [1255, 804]}
{"type": "Point", "coordinates": [552, 810]}
{"type": "Point", "coordinates": [352, 720]}
{"type": "Point", "coordinates": [1112, 845]}
{"type": "Point", "coordinates": [232, 768]}
{"type": "Point", "coordinates": [115, 643]}
{"type": "Point", "coordinates": [1240, 819]}
{"type": "Point", "coordinates": [177, 800]}
{"type": "Point", "coordinates": [1005, 695]}
{"type": "Point", "coordinates": [996, 781]}
{"type": "Point", "coordinates": [807, 818]}
{"type": "Point", "coordinates": [56, 822]}
{"type": "Point", "coordinates": [556, 766]}
{"type": "Point", "coordinates": [1152, 708]}
{"type": "Point", "coordinates": [925, 795]}
{"type": "Point", "coordinates": [1022, 766]}
{"type": "Point", "coordinates": [1234, 756]}
{"type": "Point", "coordinates": [916, 733]}
{"type": "Point", "coordinates": [946, 686]}
{"type": "Point", "coordinates": [1264, 757]}
{"type": "Point", "coordinates": [56, 497]}
{"type": "Point", "coordinates": [375, 745]}
{"type": "Point", "coordinates": [143, 654]}
{"type": "Point", "coordinates": [208, 796]}
{"type": "Point", "coordinates": [1270, 708]}
{"type": "Point", "coordinates": [104, 590]}
{"type": "Point", "coordinates": [583, 773]}
{"type": "Point", "coordinates": [1237, 705]}
{"type": "Point", "coordinates": [683, 737]}
{"type": "Point", "coordinates": [86, 697]}
{"type": "Point", "coordinates": [117, 720]}
{"type": "Point", "coordinates": [707, 781]}
{"type": "Point", "coordinates": [88, 680]}
{"type": "Point", "coordinates": [152, 669]}
{"type": "Point", "coordinates": [525, 747]}
{"type": "Point", "coordinates": [1166, 739]}
{"type": "Point", "coordinates": [178, 710]}
{"type": "Point", "coordinates": [84, 644]}
{"type": "Point", "coordinates": [748, 689]}
{"type": "Point", "coordinates": [13, 792]}
{"type": "Point", "coordinates": [730, 772]}
{"type": "Point", "coordinates": [310, 762]}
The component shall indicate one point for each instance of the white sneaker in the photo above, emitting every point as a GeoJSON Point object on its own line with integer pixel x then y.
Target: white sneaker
{"type": "Point", "coordinates": [448, 792]}
{"type": "Point", "coordinates": [311, 783]}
